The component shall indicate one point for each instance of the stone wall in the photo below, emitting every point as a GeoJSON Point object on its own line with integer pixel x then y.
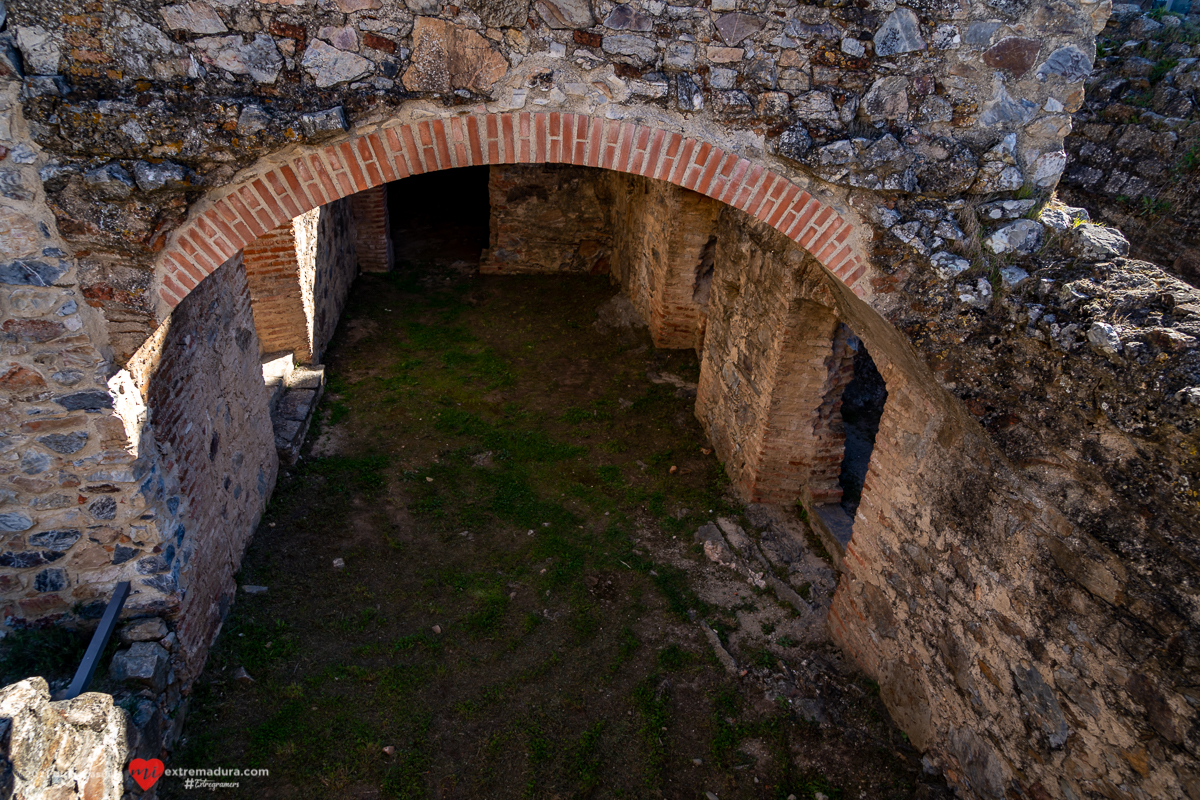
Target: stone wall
{"type": "Point", "coordinates": [1135, 148]}
{"type": "Point", "coordinates": [765, 365]}
{"type": "Point", "coordinates": [547, 219]}
{"type": "Point", "coordinates": [1020, 590]}
{"type": "Point", "coordinates": [148, 107]}
{"type": "Point", "coordinates": [994, 595]}
{"type": "Point", "coordinates": [68, 486]}
{"type": "Point", "coordinates": [63, 750]}
{"type": "Point", "coordinates": [299, 276]}
{"type": "Point", "coordinates": [829, 432]}
{"type": "Point", "coordinates": [651, 236]}
{"type": "Point", "coordinates": [661, 235]}
{"type": "Point", "coordinates": [336, 267]}
{"type": "Point", "coordinates": [197, 414]}
{"type": "Point", "coordinates": [1017, 578]}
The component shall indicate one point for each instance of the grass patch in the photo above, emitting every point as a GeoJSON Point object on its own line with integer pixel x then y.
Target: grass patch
{"type": "Point", "coordinates": [53, 653]}
{"type": "Point", "coordinates": [502, 623]}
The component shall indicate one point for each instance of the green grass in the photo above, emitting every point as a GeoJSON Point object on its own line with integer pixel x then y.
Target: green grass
{"type": "Point", "coordinates": [651, 699]}
{"type": "Point", "coordinates": [52, 652]}
{"type": "Point", "coordinates": [505, 619]}
{"type": "Point", "coordinates": [673, 658]}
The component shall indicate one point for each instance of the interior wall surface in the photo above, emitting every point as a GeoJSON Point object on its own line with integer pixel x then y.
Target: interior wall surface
{"type": "Point", "coordinates": [660, 233]}
{"type": "Point", "coordinates": [204, 435]}
{"type": "Point", "coordinates": [335, 266]}
{"type": "Point", "coordinates": [299, 275]}
{"type": "Point", "coordinates": [1000, 632]}
{"type": "Point", "coordinates": [764, 367]}
{"type": "Point", "coordinates": [547, 218]}
{"type": "Point", "coordinates": [279, 271]}
{"type": "Point", "coordinates": [373, 230]}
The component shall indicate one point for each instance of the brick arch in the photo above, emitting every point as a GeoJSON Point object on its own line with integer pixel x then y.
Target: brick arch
{"type": "Point", "coordinates": [324, 174]}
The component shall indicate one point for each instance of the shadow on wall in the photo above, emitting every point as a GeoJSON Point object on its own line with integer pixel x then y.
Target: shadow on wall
{"type": "Point", "coordinates": [862, 408]}
{"type": "Point", "coordinates": [299, 275]}
{"type": "Point", "coordinates": [193, 402]}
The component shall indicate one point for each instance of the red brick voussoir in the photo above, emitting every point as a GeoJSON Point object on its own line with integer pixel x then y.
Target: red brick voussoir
{"type": "Point", "coordinates": [323, 174]}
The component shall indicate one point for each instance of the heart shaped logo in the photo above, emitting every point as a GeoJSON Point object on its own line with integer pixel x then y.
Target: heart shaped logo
{"type": "Point", "coordinates": [146, 772]}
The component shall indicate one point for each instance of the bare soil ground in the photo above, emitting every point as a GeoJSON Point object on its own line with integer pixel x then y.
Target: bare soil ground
{"type": "Point", "coordinates": [514, 494]}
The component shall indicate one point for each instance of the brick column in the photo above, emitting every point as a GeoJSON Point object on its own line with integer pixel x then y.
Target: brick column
{"type": "Point", "coordinates": [829, 431]}
{"type": "Point", "coordinates": [676, 306]}
{"type": "Point", "coordinates": [373, 241]}
{"type": "Point", "coordinates": [793, 441]}
{"type": "Point", "coordinates": [273, 272]}
{"type": "Point", "coordinates": [662, 255]}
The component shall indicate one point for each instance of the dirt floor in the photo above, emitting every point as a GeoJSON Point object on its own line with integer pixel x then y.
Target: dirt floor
{"type": "Point", "coordinates": [483, 580]}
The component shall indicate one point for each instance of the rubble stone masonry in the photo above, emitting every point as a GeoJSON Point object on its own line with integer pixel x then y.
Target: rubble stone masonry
{"type": "Point", "coordinates": [764, 366]}
{"type": "Point", "coordinates": [546, 218]}
{"type": "Point", "coordinates": [660, 235]}
{"type": "Point", "coordinates": [335, 266]}
{"type": "Point", "coordinates": [72, 748]}
{"type": "Point", "coordinates": [204, 432]}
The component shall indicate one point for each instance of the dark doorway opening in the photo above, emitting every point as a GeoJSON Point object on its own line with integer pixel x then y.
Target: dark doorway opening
{"type": "Point", "coordinates": [862, 408]}
{"type": "Point", "coordinates": [440, 217]}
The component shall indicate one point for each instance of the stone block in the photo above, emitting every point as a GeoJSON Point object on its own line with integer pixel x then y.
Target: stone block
{"type": "Point", "coordinates": [29, 272]}
{"type": "Point", "coordinates": [329, 65]}
{"type": "Point", "coordinates": [625, 17]}
{"type": "Point", "coordinates": [259, 59]}
{"type": "Point", "coordinates": [447, 56]}
{"type": "Point", "coordinates": [254, 118]}
{"type": "Point", "coordinates": [66, 749]}
{"type": "Point", "coordinates": [318, 125]}
{"type": "Point", "coordinates": [145, 630]}
{"type": "Point", "coordinates": [735, 27]}
{"type": "Point", "coordinates": [1068, 63]}
{"type": "Point", "coordinates": [1089, 242]}
{"type": "Point", "coordinates": [297, 404]}
{"type": "Point", "coordinates": [163, 175]}
{"type": "Point", "coordinates": [640, 48]}
{"type": "Point", "coordinates": [566, 13]}
{"type": "Point", "coordinates": [143, 664]}
{"type": "Point", "coordinates": [1022, 237]}
{"type": "Point", "coordinates": [19, 236]}
{"type": "Point", "coordinates": [60, 540]}
{"type": "Point", "coordinates": [900, 33]}
{"type": "Point", "coordinates": [1014, 55]}
{"type": "Point", "coordinates": [196, 17]}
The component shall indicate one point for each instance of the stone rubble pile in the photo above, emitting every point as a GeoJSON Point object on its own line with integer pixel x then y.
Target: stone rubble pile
{"type": "Point", "coordinates": [775, 550]}
{"type": "Point", "coordinates": [1133, 148]}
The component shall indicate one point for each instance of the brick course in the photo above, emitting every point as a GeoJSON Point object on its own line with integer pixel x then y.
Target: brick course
{"type": "Point", "coordinates": [274, 268]}
{"type": "Point", "coordinates": [373, 235]}
{"type": "Point", "coordinates": [299, 275]}
{"type": "Point", "coordinates": [240, 214]}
